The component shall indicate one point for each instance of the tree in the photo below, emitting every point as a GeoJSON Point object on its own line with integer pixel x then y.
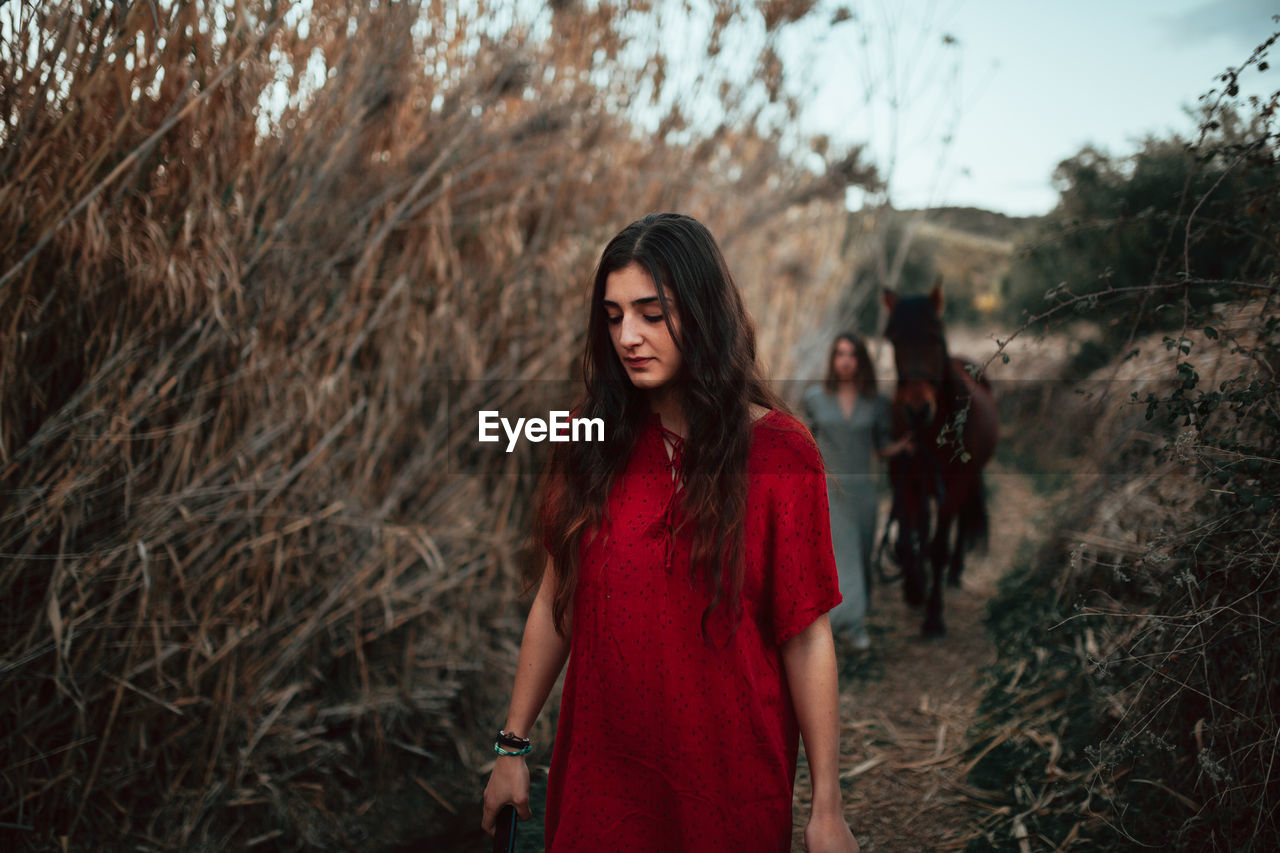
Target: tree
{"type": "Point", "coordinates": [1170, 210]}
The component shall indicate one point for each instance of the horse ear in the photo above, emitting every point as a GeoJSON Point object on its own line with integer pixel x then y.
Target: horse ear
{"type": "Point", "coordinates": [889, 298]}
{"type": "Point", "coordinates": [936, 298]}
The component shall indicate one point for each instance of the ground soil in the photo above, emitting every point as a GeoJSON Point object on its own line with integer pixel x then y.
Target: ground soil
{"type": "Point", "coordinates": [908, 702]}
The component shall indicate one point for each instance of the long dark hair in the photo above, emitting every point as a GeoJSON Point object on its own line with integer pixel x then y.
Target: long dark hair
{"type": "Point", "coordinates": [864, 378]}
{"type": "Point", "coordinates": [718, 382]}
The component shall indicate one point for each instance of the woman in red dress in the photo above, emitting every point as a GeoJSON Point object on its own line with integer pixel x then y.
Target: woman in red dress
{"type": "Point", "coordinates": [687, 582]}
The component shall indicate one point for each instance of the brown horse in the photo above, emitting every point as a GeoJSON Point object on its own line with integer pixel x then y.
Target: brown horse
{"type": "Point", "coordinates": [951, 416]}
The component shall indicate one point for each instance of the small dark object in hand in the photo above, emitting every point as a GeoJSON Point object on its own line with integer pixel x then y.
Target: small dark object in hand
{"type": "Point", "coordinates": [504, 837]}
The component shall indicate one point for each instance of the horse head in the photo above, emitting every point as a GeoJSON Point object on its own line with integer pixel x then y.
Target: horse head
{"type": "Point", "coordinates": [919, 352]}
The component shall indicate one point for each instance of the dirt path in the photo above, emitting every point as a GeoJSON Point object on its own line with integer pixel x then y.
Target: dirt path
{"type": "Point", "coordinates": [907, 703]}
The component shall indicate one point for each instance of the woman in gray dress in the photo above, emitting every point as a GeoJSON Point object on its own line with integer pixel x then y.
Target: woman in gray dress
{"type": "Point", "coordinates": [851, 422]}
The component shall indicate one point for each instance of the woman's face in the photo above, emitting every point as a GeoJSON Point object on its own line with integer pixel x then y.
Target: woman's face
{"type": "Point", "coordinates": [845, 361]}
{"type": "Point", "coordinates": [639, 329]}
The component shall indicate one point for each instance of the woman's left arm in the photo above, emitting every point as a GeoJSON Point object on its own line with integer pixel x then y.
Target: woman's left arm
{"type": "Point", "coordinates": [810, 661]}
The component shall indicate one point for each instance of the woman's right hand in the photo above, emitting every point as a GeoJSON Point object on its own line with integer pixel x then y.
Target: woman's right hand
{"type": "Point", "coordinates": [905, 444]}
{"type": "Point", "coordinates": [508, 783]}
{"type": "Point", "coordinates": [543, 651]}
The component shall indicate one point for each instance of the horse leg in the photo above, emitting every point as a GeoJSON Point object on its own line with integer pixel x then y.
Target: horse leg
{"type": "Point", "coordinates": [972, 528]}
{"type": "Point", "coordinates": [933, 625]}
{"type": "Point", "coordinates": [956, 569]}
{"type": "Point", "coordinates": [910, 556]}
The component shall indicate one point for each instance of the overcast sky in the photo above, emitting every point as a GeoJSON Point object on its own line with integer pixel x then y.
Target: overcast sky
{"type": "Point", "coordinates": [1025, 86]}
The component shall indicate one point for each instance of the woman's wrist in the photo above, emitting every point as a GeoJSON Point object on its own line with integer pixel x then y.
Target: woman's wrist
{"type": "Point", "coordinates": [509, 745]}
{"type": "Point", "coordinates": [828, 801]}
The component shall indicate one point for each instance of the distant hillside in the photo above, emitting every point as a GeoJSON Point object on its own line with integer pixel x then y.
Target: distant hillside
{"type": "Point", "coordinates": [975, 220]}
{"type": "Point", "coordinates": [970, 249]}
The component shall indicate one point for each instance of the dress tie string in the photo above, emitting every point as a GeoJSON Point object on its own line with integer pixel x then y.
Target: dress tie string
{"type": "Point", "coordinates": [675, 459]}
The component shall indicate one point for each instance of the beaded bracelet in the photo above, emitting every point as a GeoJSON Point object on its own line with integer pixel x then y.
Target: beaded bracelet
{"type": "Point", "coordinates": [497, 747]}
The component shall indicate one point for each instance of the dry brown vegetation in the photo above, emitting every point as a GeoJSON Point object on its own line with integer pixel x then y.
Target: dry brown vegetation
{"type": "Point", "coordinates": [1133, 703]}
{"type": "Point", "coordinates": [245, 245]}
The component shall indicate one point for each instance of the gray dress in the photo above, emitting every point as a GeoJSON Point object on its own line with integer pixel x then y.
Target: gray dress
{"type": "Point", "coordinates": [847, 444]}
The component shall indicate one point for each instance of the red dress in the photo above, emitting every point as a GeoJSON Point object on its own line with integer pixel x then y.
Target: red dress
{"type": "Point", "coordinates": [666, 743]}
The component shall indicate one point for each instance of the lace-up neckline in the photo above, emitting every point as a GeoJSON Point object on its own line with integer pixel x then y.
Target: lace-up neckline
{"type": "Point", "coordinates": [673, 446]}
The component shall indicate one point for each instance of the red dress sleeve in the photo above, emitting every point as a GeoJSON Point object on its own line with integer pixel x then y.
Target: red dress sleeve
{"type": "Point", "coordinates": [802, 579]}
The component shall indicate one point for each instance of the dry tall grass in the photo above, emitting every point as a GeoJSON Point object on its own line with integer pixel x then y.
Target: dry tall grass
{"type": "Point", "coordinates": [244, 247]}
